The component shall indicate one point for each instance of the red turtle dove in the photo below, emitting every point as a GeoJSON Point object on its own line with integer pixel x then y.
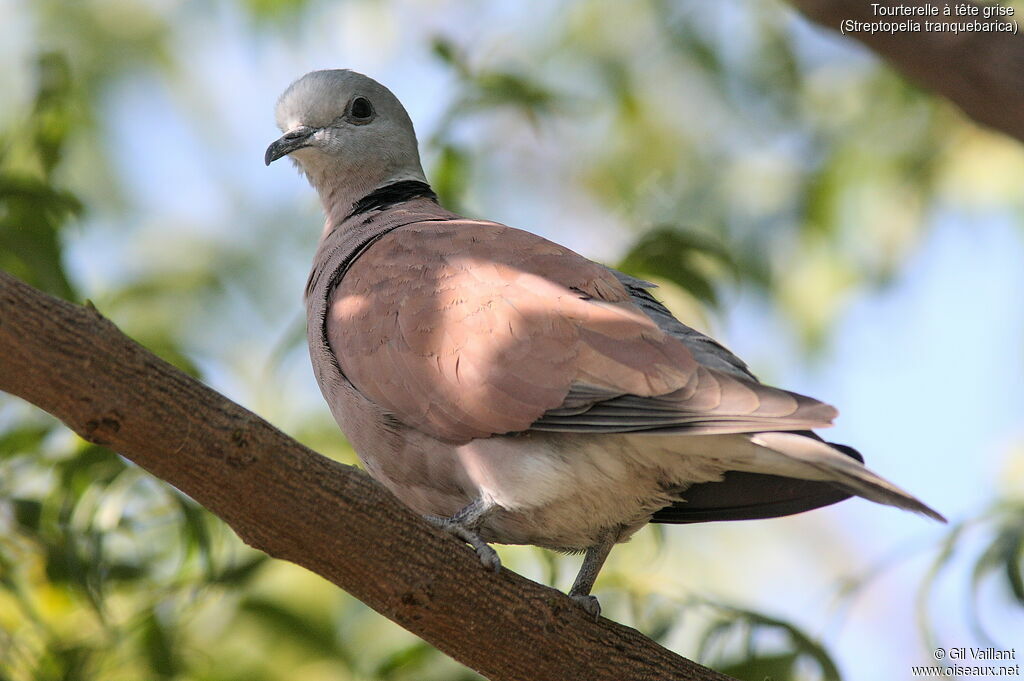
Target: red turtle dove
{"type": "Point", "coordinates": [513, 391]}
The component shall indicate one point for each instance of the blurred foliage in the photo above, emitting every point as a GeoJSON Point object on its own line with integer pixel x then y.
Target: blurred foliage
{"type": "Point", "coordinates": [789, 196]}
{"type": "Point", "coordinates": [485, 91]}
{"type": "Point", "coordinates": [740, 152]}
{"type": "Point", "coordinates": [32, 207]}
{"type": "Point", "coordinates": [734, 132]}
{"type": "Point", "coordinates": [999, 559]}
{"type": "Point", "coordinates": [692, 261]}
{"type": "Point", "coordinates": [733, 644]}
{"type": "Point", "coordinates": [990, 544]}
{"type": "Point", "coordinates": [490, 89]}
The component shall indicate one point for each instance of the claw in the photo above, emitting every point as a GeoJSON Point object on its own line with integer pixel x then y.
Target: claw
{"type": "Point", "coordinates": [589, 604]}
{"type": "Point", "coordinates": [463, 526]}
{"type": "Point", "coordinates": [489, 557]}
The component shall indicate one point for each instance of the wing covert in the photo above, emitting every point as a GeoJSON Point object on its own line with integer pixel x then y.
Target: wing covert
{"type": "Point", "coordinates": [466, 329]}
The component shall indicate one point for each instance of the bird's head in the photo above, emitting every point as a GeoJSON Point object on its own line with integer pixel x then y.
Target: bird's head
{"type": "Point", "coordinates": [348, 133]}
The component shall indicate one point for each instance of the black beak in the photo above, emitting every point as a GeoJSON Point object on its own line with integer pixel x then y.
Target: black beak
{"type": "Point", "coordinates": [287, 143]}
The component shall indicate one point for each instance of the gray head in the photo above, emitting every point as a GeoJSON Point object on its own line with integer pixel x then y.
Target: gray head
{"type": "Point", "coordinates": [348, 133]}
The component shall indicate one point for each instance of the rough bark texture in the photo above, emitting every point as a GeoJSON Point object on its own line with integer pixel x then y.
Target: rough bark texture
{"type": "Point", "coordinates": [981, 72]}
{"type": "Point", "coordinates": [297, 505]}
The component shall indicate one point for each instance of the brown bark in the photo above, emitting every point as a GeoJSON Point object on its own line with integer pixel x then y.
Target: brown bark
{"type": "Point", "coordinates": [981, 72]}
{"type": "Point", "coordinates": [297, 505]}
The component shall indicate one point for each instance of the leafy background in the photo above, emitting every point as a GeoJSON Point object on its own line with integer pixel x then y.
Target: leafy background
{"type": "Point", "coordinates": [853, 237]}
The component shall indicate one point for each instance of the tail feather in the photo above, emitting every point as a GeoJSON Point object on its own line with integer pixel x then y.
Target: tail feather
{"type": "Point", "coordinates": [801, 457]}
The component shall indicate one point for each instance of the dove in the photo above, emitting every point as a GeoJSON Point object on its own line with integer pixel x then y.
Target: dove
{"type": "Point", "coordinates": [510, 390]}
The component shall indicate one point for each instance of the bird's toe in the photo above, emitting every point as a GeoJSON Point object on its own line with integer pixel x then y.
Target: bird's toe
{"type": "Point", "coordinates": [489, 557]}
{"type": "Point", "coordinates": [589, 604]}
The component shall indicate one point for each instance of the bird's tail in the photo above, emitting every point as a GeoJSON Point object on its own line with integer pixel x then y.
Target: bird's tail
{"type": "Point", "coordinates": [798, 456]}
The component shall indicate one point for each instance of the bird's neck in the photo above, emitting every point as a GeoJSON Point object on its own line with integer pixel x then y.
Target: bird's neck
{"type": "Point", "coordinates": [392, 194]}
{"type": "Point", "coordinates": [341, 190]}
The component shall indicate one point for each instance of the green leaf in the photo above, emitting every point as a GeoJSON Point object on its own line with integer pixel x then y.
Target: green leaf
{"type": "Point", "coordinates": [32, 214]}
{"type": "Point", "coordinates": [67, 662]}
{"type": "Point", "coordinates": [488, 89]}
{"type": "Point", "coordinates": [754, 664]}
{"type": "Point", "coordinates": [404, 660]}
{"type": "Point", "coordinates": [125, 572]}
{"type": "Point", "coordinates": [673, 254]}
{"type": "Point", "coordinates": [504, 88]}
{"type": "Point", "coordinates": [451, 176]}
{"type": "Point", "coordinates": [445, 50]}
{"type": "Point", "coordinates": [53, 113]}
{"type": "Point", "coordinates": [159, 647]}
{"type": "Point", "coordinates": [33, 210]}
{"type": "Point", "coordinates": [91, 465]}
{"type": "Point", "coordinates": [27, 513]}
{"type": "Point", "coordinates": [1015, 575]}
{"type": "Point", "coordinates": [25, 438]}
{"type": "Point", "coordinates": [763, 667]}
{"type": "Point", "coordinates": [241, 573]}
{"type": "Point", "coordinates": [1003, 555]}
{"type": "Point", "coordinates": [318, 636]}
{"type": "Point", "coordinates": [195, 532]}
{"type": "Point", "coordinates": [274, 12]}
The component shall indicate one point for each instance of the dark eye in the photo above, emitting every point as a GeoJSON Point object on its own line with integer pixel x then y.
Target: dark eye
{"type": "Point", "coordinates": [361, 111]}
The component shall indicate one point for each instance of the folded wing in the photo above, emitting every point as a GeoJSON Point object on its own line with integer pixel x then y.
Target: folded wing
{"type": "Point", "coordinates": [466, 329]}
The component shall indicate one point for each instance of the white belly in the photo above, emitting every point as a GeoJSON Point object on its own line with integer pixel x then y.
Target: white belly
{"type": "Point", "coordinates": [551, 489]}
{"type": "Point", "coordinates": [563, 490]}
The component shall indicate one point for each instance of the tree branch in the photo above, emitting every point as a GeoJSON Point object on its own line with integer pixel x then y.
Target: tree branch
{"type": "Point", "coordinates": [982, 72]}
{"type": "Point", "coordinates": [295, 504]}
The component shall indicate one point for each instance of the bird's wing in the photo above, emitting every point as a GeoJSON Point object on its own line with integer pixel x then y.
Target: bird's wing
{"type": "Point", "coordinates": [466, 329]}
{"type": "Point", "coordinates": [726, 375]}
{"type": "Point", "coordinates": [705, 349]}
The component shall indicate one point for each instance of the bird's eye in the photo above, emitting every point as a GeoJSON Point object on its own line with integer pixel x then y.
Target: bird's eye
{"type": "Point", "coordinates": [360, 111]}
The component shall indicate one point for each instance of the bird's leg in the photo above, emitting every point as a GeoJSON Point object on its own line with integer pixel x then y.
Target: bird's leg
{"type": "Point", "coordinates": [592, 562]}
{"type": "Point", "coordinates": [465, 525]}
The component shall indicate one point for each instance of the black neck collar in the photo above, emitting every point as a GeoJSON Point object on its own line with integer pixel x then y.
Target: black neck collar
{"type": "Point", "coordinates": [392, 194]}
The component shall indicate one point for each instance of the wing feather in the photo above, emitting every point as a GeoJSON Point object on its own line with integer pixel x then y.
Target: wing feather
{"type": "Point", "coordinates": [465, 329]}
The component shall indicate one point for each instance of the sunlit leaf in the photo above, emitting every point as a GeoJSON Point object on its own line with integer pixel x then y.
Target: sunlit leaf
{"type": "Point", "coordinates": [270, 11]}
{"type": "Point", "coordinates": [23, 439]}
